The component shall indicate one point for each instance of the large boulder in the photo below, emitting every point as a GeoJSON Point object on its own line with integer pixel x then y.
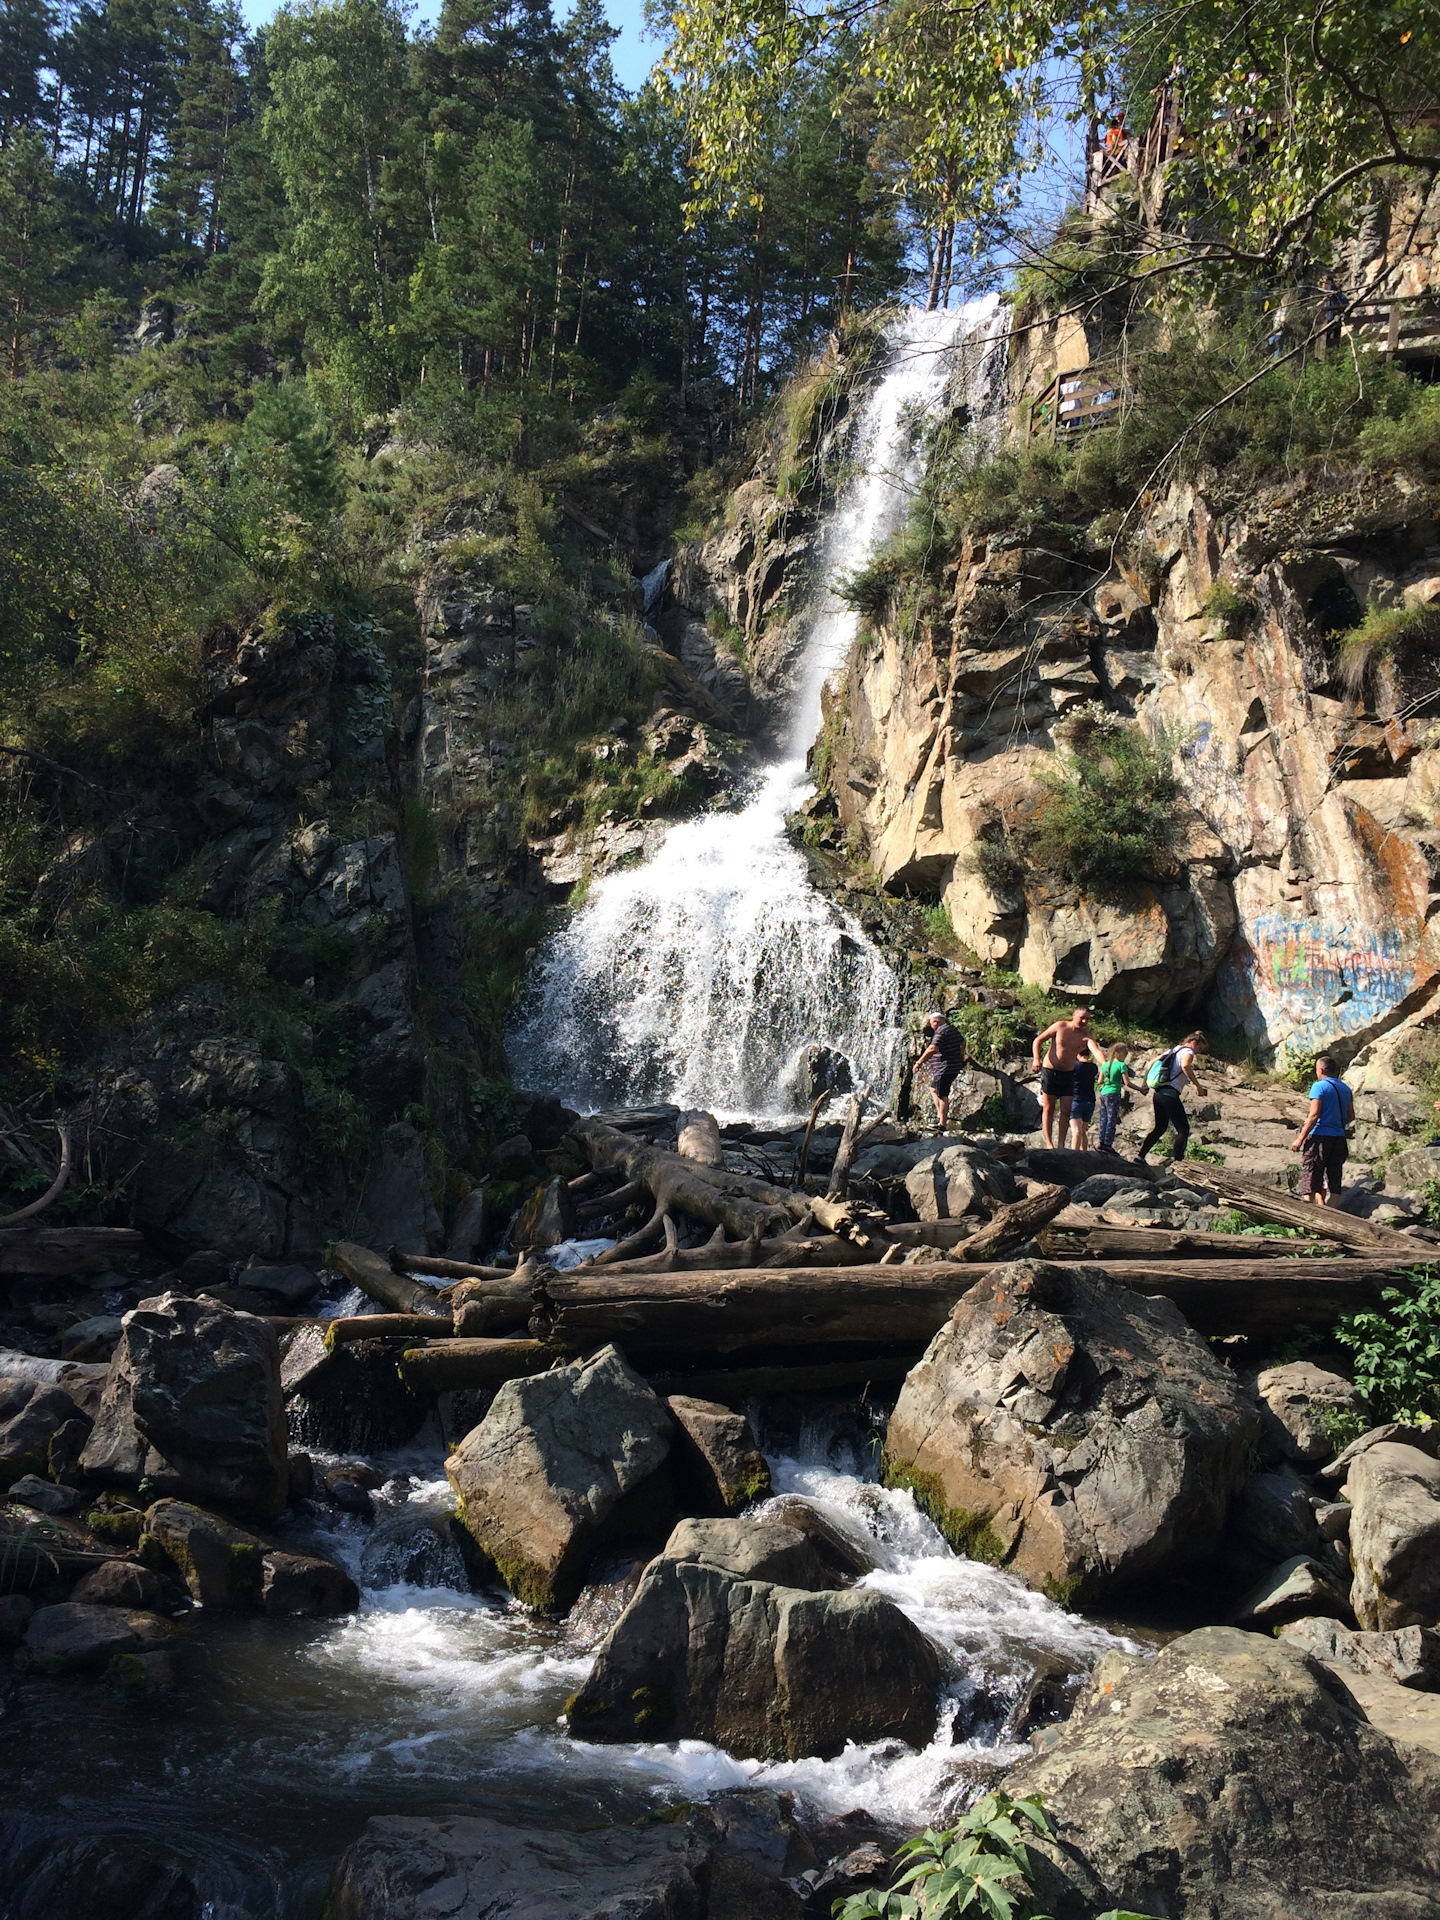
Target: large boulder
{"type": "Point", "coordinates": [1297, 1399]}
{"type": "Point", "coordinates": [192, 1405]}
{"type": "Point", "coordinates": [1394, 1495]}
{"type": "Point", "coordinates": [233, 1571]}
{"type": "Point", "coordinates": [945, 1185]}
{"type": "Point", "coordinates": [1409, 1656]}
{"type": "Point", "coordinates": [721, 1468]}
{"type": "Point", "coordinates": [713, 1648]}
{"type": "Point", "coordinates": [1232, 1778]}
{"type": "Point", "coordinates": [466, 1867]}
{"type": "Point", "coordinates": [73, 1637]}
{"type": "Point", "coordinates": [1074, 1431]}
{"type": "Point", "coordinates": [562, 1462]}
{"type": "Point", "coordinates": [31, 1413]}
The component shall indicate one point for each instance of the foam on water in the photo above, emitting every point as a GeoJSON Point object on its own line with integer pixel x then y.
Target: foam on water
{"type": "Point", "coordinates": [703, 976]}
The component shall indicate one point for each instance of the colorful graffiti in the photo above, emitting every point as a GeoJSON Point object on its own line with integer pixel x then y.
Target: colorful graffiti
{"type": "Point", "coordinates": [1309, 983]}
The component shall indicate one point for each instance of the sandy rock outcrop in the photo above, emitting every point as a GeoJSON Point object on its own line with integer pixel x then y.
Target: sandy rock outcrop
{"type": "Point", "coordinates": [193, 1405]}
{"type": "Point", "coordinates": [1076, 1432]}
{"type": "Point", "coordinates": [742, 1634]}
{"type": "Point", "coordinates": [1394, 1495]}
{"type": "Point", "coordinates": [561, 1460]}
{"type": "Point", "coordinates": [1233, 1778]}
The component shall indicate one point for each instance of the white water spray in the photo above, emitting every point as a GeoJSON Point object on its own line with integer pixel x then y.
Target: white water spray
{"type": "Point", "coordinates": [703, 976]}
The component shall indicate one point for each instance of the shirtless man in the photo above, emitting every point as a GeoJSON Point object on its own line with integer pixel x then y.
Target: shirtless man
{"type": "Point", "coordinates": [1069, 1044]}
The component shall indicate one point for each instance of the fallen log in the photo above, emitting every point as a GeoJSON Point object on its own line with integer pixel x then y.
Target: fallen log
{"type": "Point", "coordinates": [852, 1138]}
{"type": "Point", "coordinates": [733, 1389]}
{"type": "Point", "coordinates": [851, 1220]}
{"type": "Point", "coordinates": [377, 1277]}
{"type": "Point", "coordinates": [1272, 1203]}
{"type": "Point", "coordinates": [728, 1312]}
{"type": "Point", "coordinates": [1063, 1240]}
{"type": "Point", "coordinates": [373, 1326]}
{"type": "Point", "coordinates": [719, 1197]}
{"type": "Point", "coordinates": [404, 1263]}
{"type": "Point", "coordinates": [450, 1364]}
{"type": "Point", "coordinates": [1011, 1225]}
{"type": "Point", "coordinates": [699, 1139]}
{"type": "Point", "coordinates": [64, 1250]}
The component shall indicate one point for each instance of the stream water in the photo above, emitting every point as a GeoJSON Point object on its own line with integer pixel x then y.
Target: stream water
{"type": "Point", "coordinates": [704, 975]}
{"type": "Point", "coordinates": [282, 1737]}
{"type": "Point", "coordinates": [697, 978]}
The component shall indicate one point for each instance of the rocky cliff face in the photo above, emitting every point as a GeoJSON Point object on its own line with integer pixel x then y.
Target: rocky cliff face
{"type": "Point", "coordinates": [1299, 909]}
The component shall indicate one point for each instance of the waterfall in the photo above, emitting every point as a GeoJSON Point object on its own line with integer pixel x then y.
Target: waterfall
{"type": "Point", "coordinates": [705, 975]}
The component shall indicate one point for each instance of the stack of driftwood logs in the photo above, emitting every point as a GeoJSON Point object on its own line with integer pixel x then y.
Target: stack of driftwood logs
{"type": "Point", "coordinates": [799, 1289]}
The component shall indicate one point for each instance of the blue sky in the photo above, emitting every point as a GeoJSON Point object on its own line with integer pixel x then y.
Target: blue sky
{"type": "Point", "coordinates": [632, 53]}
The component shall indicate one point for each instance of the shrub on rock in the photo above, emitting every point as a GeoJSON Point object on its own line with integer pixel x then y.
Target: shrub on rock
{"type": "Point", "coordinates": [192, 1404]}
{"type": "Point", "coordinates": [562, 1462]}
{"type": "Point", "coordinates": [712, 1648]}
{"type": "Point", "coordinates": [1076, 1432]}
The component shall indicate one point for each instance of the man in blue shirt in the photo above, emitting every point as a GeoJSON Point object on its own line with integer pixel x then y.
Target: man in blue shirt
{"type": "Point", "coordinates": [1320, 1143]}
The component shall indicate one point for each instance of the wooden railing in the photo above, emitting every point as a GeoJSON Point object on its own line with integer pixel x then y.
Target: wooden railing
{"type": "Point", "coordinates": [1074, 402]}
{"type": "Point", "coordinates": [1396, 327]}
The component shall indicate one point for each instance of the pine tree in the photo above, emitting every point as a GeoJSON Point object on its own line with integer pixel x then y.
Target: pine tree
{"type": "Point", "coordinates": [35, 246]}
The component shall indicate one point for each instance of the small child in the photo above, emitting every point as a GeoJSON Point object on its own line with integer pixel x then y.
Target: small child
{"type": "Point", "coordinates": [1114, 1076]}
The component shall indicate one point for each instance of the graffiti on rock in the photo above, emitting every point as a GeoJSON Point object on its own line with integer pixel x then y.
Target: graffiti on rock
{"type": "Point", "coordinates": [1312, 983]}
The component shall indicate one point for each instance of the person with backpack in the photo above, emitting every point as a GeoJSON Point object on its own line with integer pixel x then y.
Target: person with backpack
{"type": "Point", "coordinates": [1320, 1143]}
{"type": "Point", "coordinates": [1115, 1074]}
{"type": "Point", "coordinates": [1166, 1081]}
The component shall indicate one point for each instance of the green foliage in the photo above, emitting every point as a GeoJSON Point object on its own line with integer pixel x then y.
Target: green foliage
{"type": "Point", "coordinates": [1384, 633]}
{"type": "Point", "coordinates": [1234, 1221]}
{"type": "Point", "coordinates": [807, 408]}
{"type": "Point", "coordinates": [1397, 1349]}
{"type": "Point", "coordinates": [1430, 1203]}
{"type": "Point", "coordinates": [1342, 1425]}
{"type": "Point", "coordinates": [1207, 1155]}
{"type": "Point", "coordinates": [1229, 609]}
{"type": "Point", "coordinates": [1107, 812]}
{"type": "Point", "coordinates": [939, 927]}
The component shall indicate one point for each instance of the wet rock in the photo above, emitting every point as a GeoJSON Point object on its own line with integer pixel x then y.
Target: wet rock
{"type": "Point", "coordinates": [52, 1867]}
{"type": "Point", "coordinates": [1273, 1515]}
{"type": "Point", "coordinates": [945, 1185]}
{"type": "Point", "coordinates": [1297, 1398]}
{"type": "Point", "coordinates": [289, 1287]}
{"type": "Point", "coordinates": [543, 1119]}
{"type": "Point", "coordinates": [92, 1339]}
{"type": "Point", "coordinates": [1231, 1778]}
{"type": "Point", "coordinates": [513, 1158]}
{"type": "Point", "coordinates": [772, 1549]}
{"type": "Point", "coordinates": [225, 1567]}
{"type": "Point", "coordinates": [15, 1612]}
{"type": "Point", "coordinates": [351, 1400]}
{"type": "Point", "coordinates": [121, 1583]}
{"type": "Point", "coordinates": [303, 1583]}
{"type": "Point", "coordinates": [468, 1868]}
{"type": "Point", "coordinates": [562, 1461]}
{"type": "Point", "coordinates": [720, 1467]}
{"type": "Point", "coordinates": [1074, 1431]}
{"type": "Point", "coordinates": [547, 1218]}
{"type": "Point", "coordinates": [710, 1649]}
{"type": "Point", "coordinates": [299, 1477]}
{"type": "Point", "coordinates": [30, 1413]}
{"type": "Point", "coordinates": [1394, 1494]}
{"type": "Point", "coordinates": [44, 1496]}
{"type": "Point", "coordinates": [192, 1404]}
{"type": "Point", "coordinates": [416, 1550]}
{"type": "Point", "coordinates": [219, 1563]}
{"type": "Point", "coordinates": [73, 1637]}
{"type": "Point", "coordinates": [758, 1847]}
{"type": "Point", "coordinates": [1297, 1587]}
{"type": "Point", "coordinates": [1410, 1656]}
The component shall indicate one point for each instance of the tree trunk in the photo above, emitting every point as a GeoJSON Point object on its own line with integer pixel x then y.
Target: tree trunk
{"type": "Point", "coordinates": [1021, 1220]}
{"type": "Point", "coordinates": [62, 1250]}
{"type": "Point", "coordinates": [700, 1139]}
{"type": "Point", "coordinates": [746, 1208]}
{"type": "Point", "coordinates": [1272, 1203]}
{"type": "Point", "coordinates": [374, 1276]}
{"type": "Point", "coordinates": [473, 1363]}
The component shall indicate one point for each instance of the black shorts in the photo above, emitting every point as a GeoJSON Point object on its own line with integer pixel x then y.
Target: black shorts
{"type": "Point", "coordinates": [1082, 1107]}
{"type": "Point", "coordinates": [942, 1078]}
{"type": "Point", "coordinates": [1057, 1080]}
{"type": "Point", "coordinates": [1322, 1164]}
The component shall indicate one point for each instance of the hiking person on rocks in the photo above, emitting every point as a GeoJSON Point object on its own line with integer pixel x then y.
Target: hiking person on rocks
{"type": "Point", "coordinates": [1115, 1075]}
{"type": "Point", "coordinates": [1166, 1079]}
{"type": "Point", "coordinates": [1082, 1105]}
{"type": "Point", "coordinates": [1069, 1044]}
{"type": "Point", "coordinates": [1320, 1143]}
{"type": "Point", "coordinates": [945, 1057]}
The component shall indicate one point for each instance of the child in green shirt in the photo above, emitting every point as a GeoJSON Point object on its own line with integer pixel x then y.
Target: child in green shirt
{"type": "Point", "coordinates": [1114, 1076]}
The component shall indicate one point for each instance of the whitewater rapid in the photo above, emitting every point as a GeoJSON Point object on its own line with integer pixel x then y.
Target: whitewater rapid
{"type": "Point", "coordinates": [703, 976]}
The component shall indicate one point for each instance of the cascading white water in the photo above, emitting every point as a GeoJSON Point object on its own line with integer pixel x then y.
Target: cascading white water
{"type": "Point", "coordinates": [703, 976]}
